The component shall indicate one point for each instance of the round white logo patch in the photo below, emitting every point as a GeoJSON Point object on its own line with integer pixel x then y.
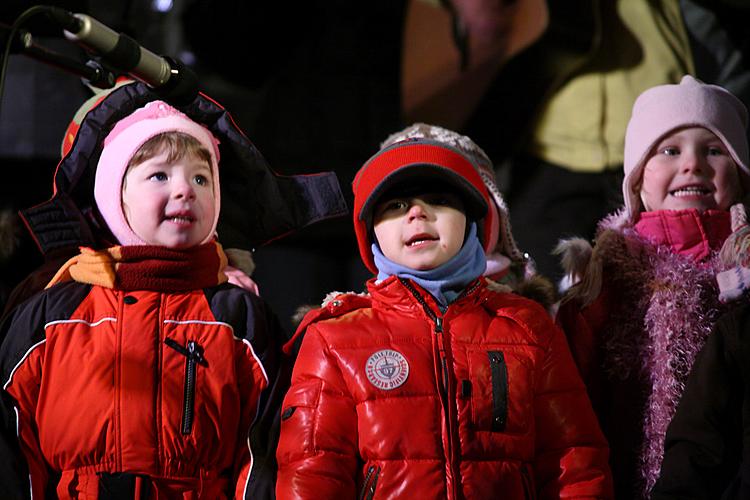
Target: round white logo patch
{"type": "Point", "coordinates": [387, 369]}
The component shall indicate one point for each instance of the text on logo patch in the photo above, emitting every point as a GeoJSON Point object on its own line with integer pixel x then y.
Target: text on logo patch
{"type": "Point", "coordinates": [387, 369]}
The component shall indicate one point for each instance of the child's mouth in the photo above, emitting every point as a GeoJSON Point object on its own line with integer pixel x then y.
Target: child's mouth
{"type": "Point", "coordinates": [690, 191]}
{"type": "Point", "coordinates": [420, 239]}
{"type": "Point", "coordinates": [181, 219]}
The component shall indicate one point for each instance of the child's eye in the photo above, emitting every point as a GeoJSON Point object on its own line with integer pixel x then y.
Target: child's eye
{"type": "Point", "coordinates": [158, 176]}
{"type": "Point", "coordinates": [202, 180]}
{"type": "Point", "coordinates": [670, 151]}
{"type": "Point", "coordinates": [443, 200]}
{"type": "Point", "coordinates": [391, 206]}
{"type": "Point", "coordinates": [715, 151]}
{"type": "Point", "coordinates": [395, 205]}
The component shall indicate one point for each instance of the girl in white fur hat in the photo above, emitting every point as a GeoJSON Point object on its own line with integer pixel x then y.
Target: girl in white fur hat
{"type": "Point", "coordinates": [646, 297]}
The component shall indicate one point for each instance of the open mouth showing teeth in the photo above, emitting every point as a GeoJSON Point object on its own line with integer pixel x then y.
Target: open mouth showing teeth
{"type": "Point", "coordinates": [690, 191]}
{"type": "Point", "coordinates": [419, 240]}
{"type": "Point", "coordinates": [180, 219]}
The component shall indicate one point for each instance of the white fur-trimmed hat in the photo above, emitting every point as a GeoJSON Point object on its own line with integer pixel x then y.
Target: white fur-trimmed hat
{"type": "Point", "coordinates": [665, 108]}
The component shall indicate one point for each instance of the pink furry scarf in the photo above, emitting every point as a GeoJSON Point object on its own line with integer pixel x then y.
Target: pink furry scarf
{"type": "Point", "coordinates": [668, 308]}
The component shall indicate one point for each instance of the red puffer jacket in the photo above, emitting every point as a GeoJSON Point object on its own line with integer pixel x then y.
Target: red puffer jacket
{"type": "Point", "coordinates": [160, 394]}
{"type": "Point", "coordinates": [391, 399]}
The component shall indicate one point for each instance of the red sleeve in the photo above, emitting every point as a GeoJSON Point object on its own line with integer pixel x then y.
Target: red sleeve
{"type": "Point", "coordinates": [580, 336]}
{"type": "Point", "coordinates": [317, 452]}
{"type": "Point", "coordinates": [23, 388]}
{"type": "Point", "coordinates": [571, 451]}
{"type": "Point", "coordinates": [583, 328]}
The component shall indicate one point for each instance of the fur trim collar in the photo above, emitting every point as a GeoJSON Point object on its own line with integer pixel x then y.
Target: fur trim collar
{"type": "Point", "coordinates": [583, 264]}
{"type": "Point", "coordinates": [331, 296]}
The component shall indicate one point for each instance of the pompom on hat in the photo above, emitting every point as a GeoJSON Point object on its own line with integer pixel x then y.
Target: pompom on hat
{"type": "Point", "coordinates": [665, 108]}
{"type": "Point", "coordinates": [500, 245]}
{"type": "Point", "coordinates": [127, 136]}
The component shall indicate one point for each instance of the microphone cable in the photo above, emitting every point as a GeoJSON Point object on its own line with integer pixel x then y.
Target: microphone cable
{"type": "Point", "coordinates": [17, 25]}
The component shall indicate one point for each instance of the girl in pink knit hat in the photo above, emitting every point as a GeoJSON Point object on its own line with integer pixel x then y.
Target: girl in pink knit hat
{"type": "Point", "coordinates": [140, 371]}
{"type": "Point", "coordinates": [645, 297]}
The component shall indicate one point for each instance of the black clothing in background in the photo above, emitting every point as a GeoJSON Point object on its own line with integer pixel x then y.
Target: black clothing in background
{"type": "Point", "coordinates": [707, 449]}
{"type": "Point", "coordinates": [316, 86]}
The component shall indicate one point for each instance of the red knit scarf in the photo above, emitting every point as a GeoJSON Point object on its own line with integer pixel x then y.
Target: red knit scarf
{"type": "Point", "coordinates": [154, 268]}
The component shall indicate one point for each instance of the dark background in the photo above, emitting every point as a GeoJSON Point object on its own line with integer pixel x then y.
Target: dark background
{"type": "Point", "coordinates": [315, 85]}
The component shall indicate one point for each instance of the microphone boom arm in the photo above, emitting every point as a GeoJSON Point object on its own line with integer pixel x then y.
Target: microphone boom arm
{"type": "Point", "coordinates": [95, 73]}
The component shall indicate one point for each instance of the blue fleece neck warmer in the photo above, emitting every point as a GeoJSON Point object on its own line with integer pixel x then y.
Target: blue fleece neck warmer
{"type": "Point", "coordinates": [444, 282]}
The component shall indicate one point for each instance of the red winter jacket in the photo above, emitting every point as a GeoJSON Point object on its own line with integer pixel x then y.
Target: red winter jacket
{"type": "Point", "coordinates": [391, 399]}
{"type": "Point", "coordinates": [162, 386]}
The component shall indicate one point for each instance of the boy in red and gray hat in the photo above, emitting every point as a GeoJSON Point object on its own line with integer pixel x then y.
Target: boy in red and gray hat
{"type": "Point", "coordinates": [433, 385]}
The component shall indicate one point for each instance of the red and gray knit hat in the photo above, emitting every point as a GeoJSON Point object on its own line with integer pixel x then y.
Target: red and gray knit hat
{"type": "Point", "coordinates": [416, 162]}
{"type": "Point", "coordinates": [127, 136]}
{"type": "Point", "coordinates": [502, 250]}
{"type": "Point", "coordinates": [663, 109]}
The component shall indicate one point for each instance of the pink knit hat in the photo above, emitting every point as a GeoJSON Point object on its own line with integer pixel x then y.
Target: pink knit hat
{"type": "Point", "coordinates": [662, 109]}
{"type": "Point", "coordinates": [127, 136]}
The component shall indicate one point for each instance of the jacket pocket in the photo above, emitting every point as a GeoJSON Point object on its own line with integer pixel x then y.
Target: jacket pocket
{"type": "Point", "coordinates": [499, 380]}
{"type": "Point", "coordinates": [303, 395]}
{"type": "Point", "coordinates": [299, 416]}
{"type": "Point", "coordinates": [500, 389]}
{"type": "Point", "coordinates": [370, 483]}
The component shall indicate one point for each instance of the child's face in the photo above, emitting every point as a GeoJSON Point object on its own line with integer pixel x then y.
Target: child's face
{"type": "Point", "coordinates": [169, 204]}
{"type": "Point", "coordinates": [422, 231]}
{"type": "Point", "coordinates": [691, 168]}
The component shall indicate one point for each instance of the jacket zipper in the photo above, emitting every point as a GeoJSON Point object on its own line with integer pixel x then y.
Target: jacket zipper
{"type": "Point", "coordinates": [118, 384]}
{"type": "Point", "coordinates": [441, 351]}
{"type": "Point", "coordinates": [193, 355]}
{"type": "Point", "coordinates": [438, 331]}
{"type": "Point", "coordinates": [370, 483]}
{"type": "Point", "coordinates": [444, 377]}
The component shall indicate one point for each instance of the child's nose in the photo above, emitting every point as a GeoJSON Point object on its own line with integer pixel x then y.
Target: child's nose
{"type": "Point", "coordinates": [417, 210]}
{"type": "Point", "coordinates": [183, 188]}
{"type": "Point", "coordinates": [692, 162]}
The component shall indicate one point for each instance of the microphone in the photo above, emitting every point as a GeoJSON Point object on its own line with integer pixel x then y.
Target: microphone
{"type": "Point", "coordinates": [169, 78]}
